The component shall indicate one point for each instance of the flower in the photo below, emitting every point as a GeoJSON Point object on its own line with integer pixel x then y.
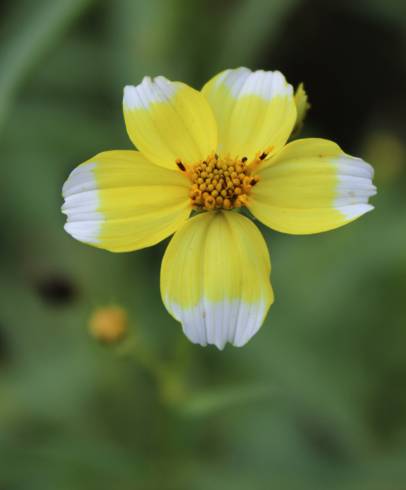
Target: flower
{"type": "Point", "coordinates": [214, 152]}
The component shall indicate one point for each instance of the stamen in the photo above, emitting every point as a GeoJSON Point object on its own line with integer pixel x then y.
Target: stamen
{"type": "Point", "coordinates": [220, 183]}
{"type": "Point", "coordinates": [181, 166]}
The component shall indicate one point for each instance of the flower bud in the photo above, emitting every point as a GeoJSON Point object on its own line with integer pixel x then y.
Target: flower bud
{"type": "Point", "coordinates": [108, 324]}
{"type": "Point", "coordinates": [302, 106]}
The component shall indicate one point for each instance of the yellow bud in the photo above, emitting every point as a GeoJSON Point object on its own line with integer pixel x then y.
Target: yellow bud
{"type": "Point", "coordinates": [108, 324]}
{"type": "Point", "coordinates": [302, 106]}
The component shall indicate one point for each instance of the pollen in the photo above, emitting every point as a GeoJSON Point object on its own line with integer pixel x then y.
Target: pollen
{"type": "Point", "coordinates": [221, 183]}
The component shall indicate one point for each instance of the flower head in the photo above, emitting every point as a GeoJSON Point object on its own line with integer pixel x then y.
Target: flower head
{"type": "Point", "coordinates": [214, 152]}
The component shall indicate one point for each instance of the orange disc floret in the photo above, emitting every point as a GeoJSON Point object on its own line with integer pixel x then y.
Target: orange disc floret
{"type": "Point", "coordinates": [221, 183]}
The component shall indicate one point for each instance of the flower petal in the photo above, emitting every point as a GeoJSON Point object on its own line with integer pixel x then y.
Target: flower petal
{"type": "Point", "coordinates": [312, 186]}
{"type": "Point", "coordinates": [215, 279]}
{"type": "Point", "coordinates": [169, 121]}
{"type": "Point", "coordinates": [120, 202]}
{"type": "Point", "coordinates": [255, 111]}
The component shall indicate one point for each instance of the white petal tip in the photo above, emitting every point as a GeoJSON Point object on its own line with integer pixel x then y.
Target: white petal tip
{"type": "Point", "coordinates": [149, 91]}
{"type": "Point", "coordinates": [81, 204]}
{"type": "Point", "coordinates": [355, 211]}
{"type": "Point", "coordinates": [84, 231]}
{"type": "Point", "coordinates": [217, 324]}
{"type": "Point", "coordinates": [131, 98]}
{"type": "Point", "coordinates": [355, 187]}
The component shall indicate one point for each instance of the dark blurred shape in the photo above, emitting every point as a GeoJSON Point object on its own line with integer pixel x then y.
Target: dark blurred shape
{"type": "Point", "coordinates": [386, 151]}
{"type": "Point", "coordinates": [4, 348]}
{"type": "Point", "coordinates": [5, 8]}
{"type": "Point", "coordinates": [387, 405]}
{"type": "Point", "coordinates": [346, 63]}
{"type": "Point", "coordinates": [321, 438]}
{"type": "Point", "coordinates": [56, 290]}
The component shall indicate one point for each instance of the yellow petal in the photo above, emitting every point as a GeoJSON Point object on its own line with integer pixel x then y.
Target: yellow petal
{"type": "Point", "coordinates": [120, 202]}
{"type": "Point", "coordinates": [169, 121]}
{"type": "Point", "coordinates": [215, 278]}
{"type": "Point", "coordinates": [255, 111]}
{"type": "Point", "coordinates": [312, 186]}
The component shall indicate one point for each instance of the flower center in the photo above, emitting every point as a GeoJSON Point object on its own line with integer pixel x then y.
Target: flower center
{"type": "Point", "coordinates": [220, 183]}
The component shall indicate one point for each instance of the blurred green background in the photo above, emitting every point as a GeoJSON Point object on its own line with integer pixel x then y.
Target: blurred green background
{"type": "Point", "coordinates": [317, 399]}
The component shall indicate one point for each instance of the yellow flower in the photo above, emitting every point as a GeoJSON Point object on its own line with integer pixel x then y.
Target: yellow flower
{"type": "Point", "coordinates": [215, 152]}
